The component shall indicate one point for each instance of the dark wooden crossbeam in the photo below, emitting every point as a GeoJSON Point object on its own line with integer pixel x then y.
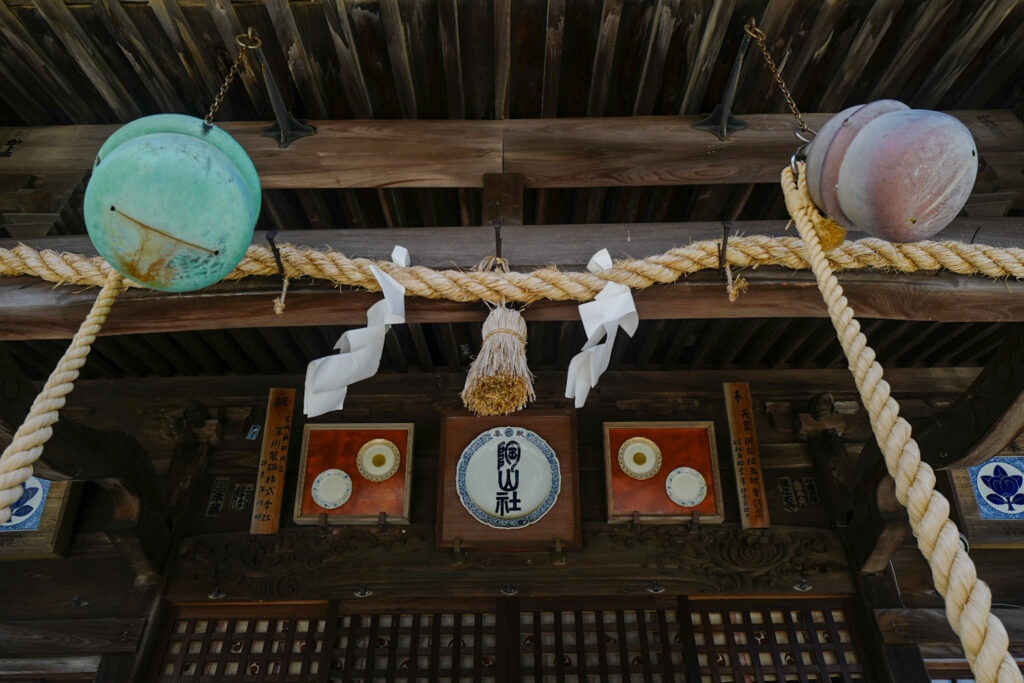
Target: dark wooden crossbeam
{"type": "Point", "coordinates": [31, 309]}
{"type": "Point", "coordinates": [580, 152]}
{"type": "Point", "coordinates": [929, 627]}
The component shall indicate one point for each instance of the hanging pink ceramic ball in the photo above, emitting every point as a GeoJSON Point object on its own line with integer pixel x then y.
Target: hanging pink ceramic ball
{"type": "Point", "coordinates": [907, 174]}
{"type": "Point", "coordinates": [825, 155]}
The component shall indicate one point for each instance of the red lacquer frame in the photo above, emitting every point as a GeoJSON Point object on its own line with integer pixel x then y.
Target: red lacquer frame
{"type": "Point", "coordinates": [326, 446]}
{"type": "Point", "coordinates": [689, 444]}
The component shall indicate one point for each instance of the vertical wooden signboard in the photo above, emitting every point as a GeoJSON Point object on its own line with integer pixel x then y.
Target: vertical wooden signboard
{"type": "Point", "coordinates": [746, 457]}
{"type": "Point", "coordinates": [277, 430]}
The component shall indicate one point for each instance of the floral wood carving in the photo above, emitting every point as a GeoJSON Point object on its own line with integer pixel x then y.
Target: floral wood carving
{"type": "Point", "coordinates": [313, 563]}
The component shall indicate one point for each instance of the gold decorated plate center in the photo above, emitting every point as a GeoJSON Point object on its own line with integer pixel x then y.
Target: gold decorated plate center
{"type": "Point", "coordinates": [639, 458]}
{"type": "Point", "coordinates": [378, 460]}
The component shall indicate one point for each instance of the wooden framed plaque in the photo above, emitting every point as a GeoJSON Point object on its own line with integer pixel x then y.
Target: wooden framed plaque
{"type": "Point", "coordinates": [662, 471]}
{"type": "Point", "coordinates": [351, 473]}
{"type": "Point", "coordinates": [509, 482]}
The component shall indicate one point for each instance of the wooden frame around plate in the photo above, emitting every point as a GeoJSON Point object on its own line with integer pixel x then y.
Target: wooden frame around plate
{"type": "Point", "coordinates": [562, 522]}
{"type": "Point", "coordinates": [643, 491]}
{"type": "Point", "coordinates": [360, 508]}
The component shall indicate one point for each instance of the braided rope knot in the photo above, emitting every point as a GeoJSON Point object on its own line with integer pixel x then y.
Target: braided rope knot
{"type": "Point", "coordinates": [968, 598]}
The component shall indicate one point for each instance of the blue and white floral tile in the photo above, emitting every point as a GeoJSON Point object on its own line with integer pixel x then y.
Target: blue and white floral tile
{"type": "Point", "coordinates": [999, 487]}
{"type": "Point", "coordinates": [27, 513]}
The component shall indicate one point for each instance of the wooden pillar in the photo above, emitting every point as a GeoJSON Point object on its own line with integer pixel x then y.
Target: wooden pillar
{"type": "Point", "coordinates": [898, 664]}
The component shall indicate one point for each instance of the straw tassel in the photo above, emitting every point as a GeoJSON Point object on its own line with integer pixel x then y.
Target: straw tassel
{"type": "Point", "coordinates": [499, 380]}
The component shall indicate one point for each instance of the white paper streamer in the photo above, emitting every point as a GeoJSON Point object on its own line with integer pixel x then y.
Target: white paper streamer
{"type": "Point", "coordinates": [611, 309]}
{"type": "Point", "coordinates": [327, 378]}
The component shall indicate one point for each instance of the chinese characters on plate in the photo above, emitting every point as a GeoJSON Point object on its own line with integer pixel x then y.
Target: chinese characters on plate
{"type": "Point", "coordinates": [508, 477]}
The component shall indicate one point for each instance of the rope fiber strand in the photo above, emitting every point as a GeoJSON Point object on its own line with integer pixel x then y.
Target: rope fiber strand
{"type": "Point", "coordinates": [968, 599]}
{"type": "Point", "coordinates": [550, 282]}
{"type": "Point", "coordinates": [27, 444]}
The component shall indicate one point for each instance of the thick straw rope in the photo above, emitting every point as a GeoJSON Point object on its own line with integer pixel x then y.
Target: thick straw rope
{"type": "Point", "coordinates": [27, 444]}
{"type": "Point", "coordinates": [968, 599]}
{"type": "Point", "coordinates": [552, 283]}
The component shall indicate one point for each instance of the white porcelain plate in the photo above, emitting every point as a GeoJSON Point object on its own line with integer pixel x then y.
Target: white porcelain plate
{"type": "Point", "coordinates": [508, 477]}
{"type": "Point", "coordinates": [639, 458]}
{"type": "Point", "coordinates": [332, 488]}
{"type": "Point", "coordinates": [686, 487]}
{"type": "Point", "coordinates": [378, 459]}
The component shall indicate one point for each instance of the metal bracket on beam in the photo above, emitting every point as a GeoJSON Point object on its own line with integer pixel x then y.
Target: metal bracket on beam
{"type": "Point", "coordinates": [287, 129]}
{"type": "Point", "coordinates": [721, 122]}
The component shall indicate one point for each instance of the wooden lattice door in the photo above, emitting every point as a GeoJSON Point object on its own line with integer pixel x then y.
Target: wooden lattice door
{"type": "Point", "coordinates": [649, 638]}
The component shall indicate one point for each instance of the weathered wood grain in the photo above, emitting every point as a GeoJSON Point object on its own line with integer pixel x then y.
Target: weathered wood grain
{"type": "Point", "coordinates": [870, 34]}
{"type": "Point", "coordinates": [957, 55]}
{"type": "Point", "coordinates": [404, 564]}
{"type": "Point", "coordinates": [707, 54]}
{"type": "Point", "coordinates": [136, 50]}
{"type": "Point", "coordinates": [918, 37]}
{"type": "Point", "coordinates": [905, 626]}
{"type": "Point", "coordinates": [69, 637]}
{"type": "Point", "coordinates": [448, 25]}
{"type": "Point", "coordinates": [1006, 57]}
{"type": "Point", "coordinates": [50, 666]}
{"type": "Point", "coordinates": [225, 18]}
{"type": "Point", "coordinates": [663, 26]}
{"type": "Point", "coordinates": [604, 54]}
{"type": "Point", "coordinates": [30, 309]}
{"type": "Point", "coordinates": [80, 45]}
{"type": "Point", "coordinates": [811, 49]}
{"type": "Point", "coordinates": [398, 52]}
{"type": "Point", "coordinates": [550, 153]}
{"type": "Point", "coordinates": [502, 57]}
{"type": "Point", "coordinates": [304, 70]}
{"type": "Point", "coordinates": [204, 80]}
{"type": "Point", "coordinates": [553, 35]}
{"type": "Point", "coordinates": [704, 385]}
{"type": "Point", "coordinates": [19, 44]}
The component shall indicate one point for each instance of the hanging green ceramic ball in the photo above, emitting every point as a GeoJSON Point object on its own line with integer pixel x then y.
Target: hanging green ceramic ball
{"type": "Point", "coordinates": [172, 204]}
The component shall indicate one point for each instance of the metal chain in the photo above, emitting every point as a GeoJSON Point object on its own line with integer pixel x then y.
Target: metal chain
{"type": "Point", "coordinates": [245, 42]}
{"type": "Point", "coordinates": [757, 34]}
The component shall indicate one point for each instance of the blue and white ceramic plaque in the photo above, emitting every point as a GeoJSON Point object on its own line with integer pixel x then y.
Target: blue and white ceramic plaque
{"type": "Point", "coordinates": [508, 477]}
{"type": "Point", "coordinates": [999, 487]}
{"type": "Point", "coordinates": [27, 513]}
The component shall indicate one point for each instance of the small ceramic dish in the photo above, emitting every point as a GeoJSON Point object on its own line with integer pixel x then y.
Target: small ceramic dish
{"type": "Point", "coordinates": [378, 460]}
{"type": "Point", "coordinates": [331, 489]}
{"type": "Point", "coordinates": [639, 458]}
{"type": "Point", "coordinates": [686, 487]}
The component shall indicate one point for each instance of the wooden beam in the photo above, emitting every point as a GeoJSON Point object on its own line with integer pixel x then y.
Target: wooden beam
{"type": "Point", "coordinates": [32, 309]}
{"type": "Point", "coordinates": [931, 627]}
{"type": "Point", "coordinates": [69, 636]}
{"type": "Point", "coordinates": [612, 561]}
{"type": "Point", "coordinates": [586, 152]}
{"type": "Point", "coordinates": [700, 384]}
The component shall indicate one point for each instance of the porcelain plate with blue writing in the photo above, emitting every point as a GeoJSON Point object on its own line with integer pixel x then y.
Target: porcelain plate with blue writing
{"type": "Point", "coordinates": [508, 477]}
